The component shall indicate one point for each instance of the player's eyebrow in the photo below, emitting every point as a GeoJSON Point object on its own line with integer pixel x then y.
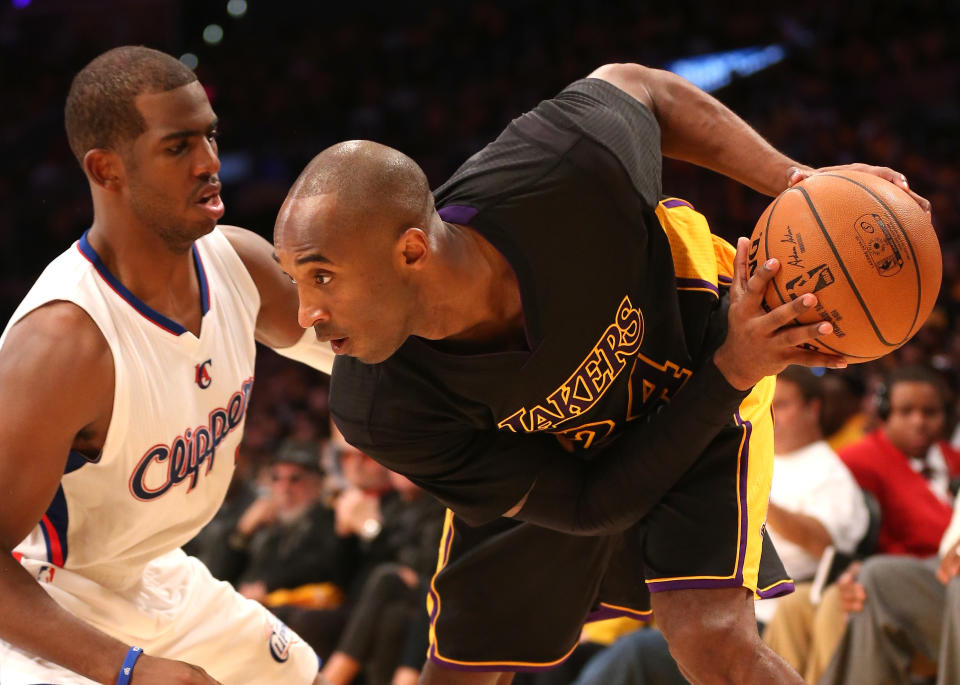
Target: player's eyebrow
{"type": "Point", "coordinates": [305, 259]}
{"type": "Point", "coordinates": [187, 132]}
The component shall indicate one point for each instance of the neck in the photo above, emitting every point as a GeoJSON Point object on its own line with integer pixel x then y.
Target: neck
{"type": "Point", "coordinates": [474, 299]}
{"type": "Point", "coordinates": [162, 278]}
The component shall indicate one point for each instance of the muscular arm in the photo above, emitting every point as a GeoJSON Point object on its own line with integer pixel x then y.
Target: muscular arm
{"type": "Point", "coordinates": [800, 529]}
{"type": "Point", "coordinates": [277, 325]}
{"type": "Point", "coordinates": [56, 380]}
{"type": "Point", "coordinates": [698, 128]}
{"type": "Point", "coordinates": [50, 391]}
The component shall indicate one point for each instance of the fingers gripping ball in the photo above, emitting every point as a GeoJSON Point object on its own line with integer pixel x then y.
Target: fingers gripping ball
{"type": "Point", "coordinates": [864, 247]}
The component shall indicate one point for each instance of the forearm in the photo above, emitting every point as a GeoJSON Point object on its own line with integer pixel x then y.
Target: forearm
{"type": "Point", "coordinates": [800, 529]}
{"type": "Point", "coordinates": [32, 621]}
{"type": "Point", "coordinates": [698, 128]}
{"type": "Point", "coordinates": [622, 485]}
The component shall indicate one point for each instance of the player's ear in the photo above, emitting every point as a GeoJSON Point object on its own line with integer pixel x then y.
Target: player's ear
{"type": "Point", "coordinates": [104, 168]}
{"type": "Point", "coordinates": [413, 248]}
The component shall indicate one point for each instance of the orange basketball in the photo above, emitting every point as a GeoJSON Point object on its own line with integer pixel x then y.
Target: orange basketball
{"type": "Point", "coordinates": [864, 247]}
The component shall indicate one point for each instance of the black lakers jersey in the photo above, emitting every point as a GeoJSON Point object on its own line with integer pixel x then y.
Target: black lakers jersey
{"type": "Point", "coordinates": [622, 300]}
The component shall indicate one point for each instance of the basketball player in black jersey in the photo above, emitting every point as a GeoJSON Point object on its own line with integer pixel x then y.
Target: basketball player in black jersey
{"type": "Point", "coordinates": [572, 363]}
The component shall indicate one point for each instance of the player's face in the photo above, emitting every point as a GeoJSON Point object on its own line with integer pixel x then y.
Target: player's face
{"type": "Point", "coordinates": [171, 168]}
{"type": "Point", "coordinates": [917, 418]}
{"type": "Point", "coordinates": [349, 278]}
{"type": "Point", "coordinates": [794, 420]}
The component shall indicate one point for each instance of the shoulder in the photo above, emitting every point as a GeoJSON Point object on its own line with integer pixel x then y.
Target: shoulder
{"type": "Point", "coordinates": [254, 251]}
{"type": "Point", "coordinates": [277, 324]}
{"type": "Point", "coordinates": [57, 350]}
{"type": "Point", "coordinates": [55, 330]}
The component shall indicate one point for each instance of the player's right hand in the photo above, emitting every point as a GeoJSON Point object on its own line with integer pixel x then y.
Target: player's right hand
{"type": "Point", "coordinates": [152, 670]}
{"type": "Point", "coordinates": [761, 343]}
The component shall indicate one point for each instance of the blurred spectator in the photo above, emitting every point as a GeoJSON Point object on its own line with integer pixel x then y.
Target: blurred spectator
{"type": "Point", "coordinates": [814, 501]}
{"type": "Point", "coordinates": [842, 418]}
{"type": "Point", "coordinates": [906, 466]}
{"type": "Point", "coordinates": [207, 546]}
{"type": "Point", "coordinates": [378, 636]}
{"type": "Point", "coordinates": [286, 538]}
{"type": "Point", "coordinates": [901, 607]}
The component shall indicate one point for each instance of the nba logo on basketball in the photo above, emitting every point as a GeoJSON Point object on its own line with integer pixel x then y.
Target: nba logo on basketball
{"type": "Point", "coordinates": [202, 377]}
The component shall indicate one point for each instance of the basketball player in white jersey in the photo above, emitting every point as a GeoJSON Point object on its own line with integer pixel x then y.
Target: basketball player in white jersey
{"type": "Point", "coordinates": [124, 380]}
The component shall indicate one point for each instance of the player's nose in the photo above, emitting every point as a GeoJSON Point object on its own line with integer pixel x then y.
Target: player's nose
{"type": "Point", "coordinates": [311, 313]}
{"type": "Point", "coordinates": [207, 162]}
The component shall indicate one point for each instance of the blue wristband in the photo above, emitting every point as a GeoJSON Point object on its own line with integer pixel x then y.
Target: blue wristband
{"type": "Point", "coordinates": [127, 669]}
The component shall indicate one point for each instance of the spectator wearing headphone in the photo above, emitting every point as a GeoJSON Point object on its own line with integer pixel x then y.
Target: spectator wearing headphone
{"type": "Point", "coordinates": [907, 464]}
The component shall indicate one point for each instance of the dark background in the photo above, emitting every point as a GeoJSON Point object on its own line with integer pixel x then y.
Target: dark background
{"type": "Point", "coordinates": [862, 81]}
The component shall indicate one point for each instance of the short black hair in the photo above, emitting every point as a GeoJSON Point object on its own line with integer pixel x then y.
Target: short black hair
{"type": "Point", "coordinates": [808, 384]}
{"type": "Point", "coordinates": [916, 373]}
{"type": "Point", "coordinates": [100, 110]}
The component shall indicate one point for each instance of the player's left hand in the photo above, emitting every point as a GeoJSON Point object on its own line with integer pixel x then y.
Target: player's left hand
{"type": "Point", "coordinates": [797, 174]}
{"type": "Point", "coordinates": [949, 565]}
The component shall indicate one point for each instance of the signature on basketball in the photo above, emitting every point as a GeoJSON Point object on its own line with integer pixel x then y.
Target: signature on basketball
{"type": "Point", "coordinates": [182, 459]}
{"type": "Point", "coordinates": [794, 258]}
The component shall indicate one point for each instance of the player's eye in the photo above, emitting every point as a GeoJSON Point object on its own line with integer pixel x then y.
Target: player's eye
{"type": "Point", "coordinates": [322, 278]}
{"type": "Point", "coordinates": [178, 148]}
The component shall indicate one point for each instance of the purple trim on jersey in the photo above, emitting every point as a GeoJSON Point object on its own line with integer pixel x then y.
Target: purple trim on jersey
{"type": "Point", "coordinates": [698, 283]}
{"type": "Point", "coordinates": [737, 579]}
{"type": "Point", "coordinates": [605, 611]}
{"type": "Point", "coordinates": [784, 588]}
{"type": "Point", "coordinates": [457, 214]}
{"type": "Point", "coordinates": [675, 202]}
{"type": "Point", "coordinates": [494, 666]}
{"type": "Point", "coordinates": [725, 280]}
{"type": "Point", "coordinates": [742, 494]}
{"type": "Point", "coordinates": [144, 310]}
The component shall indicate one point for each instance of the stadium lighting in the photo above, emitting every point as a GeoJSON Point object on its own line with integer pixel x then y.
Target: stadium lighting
{"type": "Point", "coordinates": [189, 60]}
{"type": "Point", "coordinates": [237, 8]}
{"type": "Point", "coordinates": [716, 70]}
{"type": "Point", "coordinates": [213, 34]}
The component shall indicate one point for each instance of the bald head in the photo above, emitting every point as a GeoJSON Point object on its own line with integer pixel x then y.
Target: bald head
{"type": "Point", "coordinates": [369, 179]}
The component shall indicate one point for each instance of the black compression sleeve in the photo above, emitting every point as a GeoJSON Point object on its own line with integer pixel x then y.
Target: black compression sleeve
{"type": "Point", "coordinates": [623, 484]}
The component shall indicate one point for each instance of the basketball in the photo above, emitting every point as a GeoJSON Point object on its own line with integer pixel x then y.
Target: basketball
{"type": "Point", "coordinates": [864, 247]}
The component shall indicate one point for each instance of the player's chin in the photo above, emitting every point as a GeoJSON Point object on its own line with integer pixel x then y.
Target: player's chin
{"type": "Point", "coordinates": [368, 356]}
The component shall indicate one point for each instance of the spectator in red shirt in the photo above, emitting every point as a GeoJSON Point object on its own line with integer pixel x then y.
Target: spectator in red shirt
{"type": "Point", "coordinates": [906, 464]}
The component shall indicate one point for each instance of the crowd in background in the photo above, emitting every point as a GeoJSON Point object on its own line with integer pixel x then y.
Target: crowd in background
{"type": "Point", "coordinates": [861, 81]}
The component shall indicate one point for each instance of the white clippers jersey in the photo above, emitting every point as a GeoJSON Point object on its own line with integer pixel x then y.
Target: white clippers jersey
{"type": "Point", "coordinates": [178, 413]}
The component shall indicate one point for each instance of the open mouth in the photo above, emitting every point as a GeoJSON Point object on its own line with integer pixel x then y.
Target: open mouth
{"type": "Point", "coordinates": [211, 203]}
{"type": "Point", "coordinates": [339, 345]}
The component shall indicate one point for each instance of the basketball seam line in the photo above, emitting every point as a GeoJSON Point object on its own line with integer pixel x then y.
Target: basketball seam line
{"type": "Point", "coordinates": [766, 245]}
{"type": "Point", "coordinates": [843, 268]}
{"type": "Point", "coordinates": [916, 262]}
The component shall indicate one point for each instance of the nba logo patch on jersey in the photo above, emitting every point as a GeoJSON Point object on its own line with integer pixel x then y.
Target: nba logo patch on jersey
{"type": "Point", "coordinates": [279, 639]}
{"type": "Point", "coordinates": [45, 574]}
{"type": "Point", "coordinates": [203, 378]}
